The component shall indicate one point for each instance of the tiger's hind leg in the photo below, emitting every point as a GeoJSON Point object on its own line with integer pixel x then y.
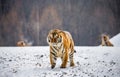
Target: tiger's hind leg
{"type": "Point", "coordinates": [71, 59]}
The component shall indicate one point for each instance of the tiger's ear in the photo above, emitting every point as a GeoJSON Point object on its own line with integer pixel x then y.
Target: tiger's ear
{"type": "Point", "coordinates": [50, 31]}
{"type": "Point", "coordinates": [48, 39]}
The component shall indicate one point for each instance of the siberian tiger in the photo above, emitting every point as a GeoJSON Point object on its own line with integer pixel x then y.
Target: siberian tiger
{"type": "Point", "coordinates": [105, 41]}
{"type": "Point", "coordinates": [21, 43]}
{"type": "Point", "coordinates": [61, 45]}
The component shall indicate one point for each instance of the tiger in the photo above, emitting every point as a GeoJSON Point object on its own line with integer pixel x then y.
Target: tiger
{"type": "Point", "coordinates": [61, 46]}
{"type": "Point", "coordinates": [105, 40]}
{"type": "Point", "coordinates": [21, 44]}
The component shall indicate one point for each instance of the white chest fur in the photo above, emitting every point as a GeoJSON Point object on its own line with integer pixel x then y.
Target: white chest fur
{"type": "Point", "coordinates": [59, 51]}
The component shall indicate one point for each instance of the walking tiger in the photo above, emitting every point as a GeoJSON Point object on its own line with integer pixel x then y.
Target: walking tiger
{"type": "Point", "coordinates": [61, 45]}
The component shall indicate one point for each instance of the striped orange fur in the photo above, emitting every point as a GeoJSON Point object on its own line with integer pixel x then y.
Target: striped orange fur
{"type": "Point", "coordinates": [21, 43]}
{"type": "Point", "coordinates": [106, 41]}
{"type": "Point", "coordinates": [61, 45]}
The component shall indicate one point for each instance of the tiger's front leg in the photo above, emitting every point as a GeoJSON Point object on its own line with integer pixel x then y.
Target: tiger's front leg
{"type": "Point", "coordinates": [64, 60]}
{"type": "Point", "coordinates": [52, 60]}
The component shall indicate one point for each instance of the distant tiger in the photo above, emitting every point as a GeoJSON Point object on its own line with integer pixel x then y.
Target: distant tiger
{"type": "Point", "coordinates": [61, 45]}
{"type": "Point", "coordinates": [105, 41]}
{"type": "Point", "coordinates": [21, 43]}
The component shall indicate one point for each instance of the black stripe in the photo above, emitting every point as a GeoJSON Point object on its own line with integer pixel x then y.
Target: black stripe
{"type": "Point", "coordinates": [63, 50]}
{"type": "Point", "coordinates": [71, 55]}
{"type": "Point", "coordinates": [53, 54]}
{"type": "Point", "coordinates": [53, 50]}
{"type": "Point", "coordinates": [55, 58]}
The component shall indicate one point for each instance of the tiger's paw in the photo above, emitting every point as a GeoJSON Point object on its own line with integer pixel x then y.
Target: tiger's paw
{"type": "Point", "coordinates": [62, 66]}
{"type": "Point", "coordinates": [72, 64]}
{"type": "Point", "coordinates": [52, 66]}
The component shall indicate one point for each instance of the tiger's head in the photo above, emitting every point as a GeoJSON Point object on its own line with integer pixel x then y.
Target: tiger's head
{"type": "Point", "coordinates": [21, 43]}
{"type": "Point", "coordinates": [54, 38]}
{"type": "Point", "coordinates": [105, 37]}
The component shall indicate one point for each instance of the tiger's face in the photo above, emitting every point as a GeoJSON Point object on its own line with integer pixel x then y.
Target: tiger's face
{"type": "Point", "coordinates": [21, 43]}
{"type": "Point", "coordinates": [54, 38]}
{"type": "Point", "coordinates": [105, 37]}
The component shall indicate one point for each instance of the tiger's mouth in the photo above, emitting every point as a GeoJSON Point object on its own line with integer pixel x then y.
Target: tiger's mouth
{"type": "Point", "coordinates": [54, 44]}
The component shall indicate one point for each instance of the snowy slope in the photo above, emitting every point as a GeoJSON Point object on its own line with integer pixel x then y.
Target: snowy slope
{"type": "Point", "coordinates": [34, 62]}
{"type": "Point", "coordinates": [116, 40]}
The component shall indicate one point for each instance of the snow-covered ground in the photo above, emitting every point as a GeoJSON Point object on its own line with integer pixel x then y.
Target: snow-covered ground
{"type": "Point", "coordinates": [116, 40]}
{"type": "Point", "coordinates": [34, 62]}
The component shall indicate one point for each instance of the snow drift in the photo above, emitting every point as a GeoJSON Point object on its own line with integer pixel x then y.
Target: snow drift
{"type": "Point", "coordinates": [116, 40]}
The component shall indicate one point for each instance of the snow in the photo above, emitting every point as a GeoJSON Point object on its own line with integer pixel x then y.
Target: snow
{"type": "Point", "coordinates": [116, 40]}
{"type": "Point", "coordinates": [34, 62]}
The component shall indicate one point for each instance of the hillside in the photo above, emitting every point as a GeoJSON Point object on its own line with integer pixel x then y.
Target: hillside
{"type": "Point", "coordinates": [116, 40]}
